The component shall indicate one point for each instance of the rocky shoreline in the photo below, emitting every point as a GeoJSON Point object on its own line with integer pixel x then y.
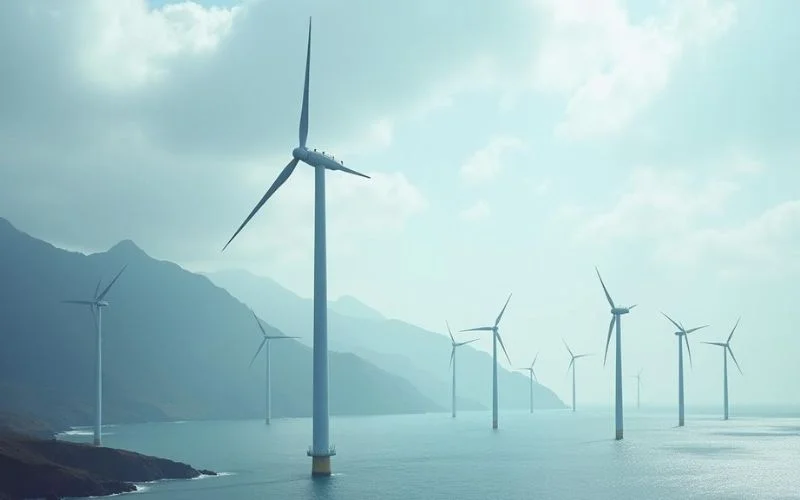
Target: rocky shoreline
{"type": "Point", "coordinates": [33, 467]}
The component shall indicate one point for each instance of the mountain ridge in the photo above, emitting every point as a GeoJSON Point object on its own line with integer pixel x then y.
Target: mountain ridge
{"type": "Point", "coordinates": [176, 345]}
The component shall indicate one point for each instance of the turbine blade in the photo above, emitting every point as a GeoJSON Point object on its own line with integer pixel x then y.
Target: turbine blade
{"type": "Point", "coordinates": [734, 329]}
{"type": "Point", "coordinates": [571, 362]}
{"type": "Point", "coordinates": [479, 329]}
{"type": "Point", "coordinates": [582, 356]}
{"type": "Point", "coordinates": [287, 171]}
{"type": "Point", "coordinates": [264, 341]}
{"type": "Point", "coordinates": [631, 307]}
{"type": "Point", "coordinates": [688, 349]}
{"type": "Point", "coordinates": [103, 294]}
{"type": "Point", "coordinates": [499, 316]}
{"type": "Point", "coordinates": [568, 349]}
{"type": "Point", "coordinates": [534, 360]}
{"type": "Point", "coordinates": [500, 339]}
{"type": "Point", "coordinates": [259, 324]}
{"type": "Point", "coordinates": [282, 337]}
{"type": "Point", "coordinates": [97, 288]}
{"type": "Point", "coordinates": [465, 343]}
{"type": "Point", "coordinates": [734, 360]}
{"type": "Point", "coordinates": [534, 375]}
{"type": "Point", "coordinates": [679, 327]}
{"type": "Point", "coordinates": [608, 340]}
{"type": "Point", "coordinates": [605, 290]}
{"type": "Point", "coordinates": [450, 332]}
{"type": "Point", "coordinates": [349, 171]}
{"type": "Point", "coordinates": [304, 109]}
{"type": "Point", "coordinates": [696, 328]}
{"type": "Point", "coordinates": [721, 344]}
{"type": "Point", "coordinates": [82, 302]}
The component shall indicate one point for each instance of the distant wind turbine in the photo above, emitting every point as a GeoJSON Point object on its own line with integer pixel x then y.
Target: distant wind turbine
{"type": "Point", "coordinates": [453, 361]}
{"type": "Point", "coordinates": [638, 378]}
{"type": "Point", "coordinates": [267, 340]}
{"type": "Point", "coordinates": [726, 348]}
{"type": "Point", "coordinates": [320, 450]}
{"type": "Point", "coordinates": [96, 306]}
{"type": "Point", "coordinates": [681, 334]}
{"type": "Point", "coordinates": [616, 319]}
{"type": "Point", "coordinates": [495, 338]}
{"type": "Point", "coordinates": [573, 364]}
{"type": "Point", "coordinates": [532, 375]}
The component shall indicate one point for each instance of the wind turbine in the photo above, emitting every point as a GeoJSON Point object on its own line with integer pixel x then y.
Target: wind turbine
{"type": "Point", "coordinates": [96, 305]}
{"type": "Point", "coordinates": [532, 376]}
{"type": "Point", "coordinates": [320, 450]}
{"type": "Point", "coordinates": [453, 361]}
{"type": "Point", "coordinates": [638, 378]}
{"type": "Point", "coordinates": [726, 348]}
{"type": "Point", "coordinates": [267, 341]}
{"type": "Point", "coordinates": [495, 338]}
{"type": "Point", "coordinates": [573, 364]}
{"type": "Point", "coordinates": [616, 319]}
{"type": "Point", "coordinates": [681, 334]}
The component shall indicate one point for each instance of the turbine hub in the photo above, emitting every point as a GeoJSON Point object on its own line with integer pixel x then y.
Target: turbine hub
{"type": "Point", "coordinates": [299, 153]}
{"type": "Point", "coordinates": [101, 303]}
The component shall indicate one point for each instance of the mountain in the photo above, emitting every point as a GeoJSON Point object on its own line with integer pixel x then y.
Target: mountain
{"type": "Point", "coordinates": [347, 305]}
{"type": "Point", "coordinates": [418, 355]}
{"type": "Point", "coordinates": [175, 346]}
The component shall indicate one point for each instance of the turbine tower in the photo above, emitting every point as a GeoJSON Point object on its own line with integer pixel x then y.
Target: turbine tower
{"type": "Point", "coordinates": [267, 340]}
{"type": "Point", "coordinates": [453, 361]}
{"type": "Point", "coordinates": [96, 305]}
{"type": "Point", "coordinates": [681, 334]}
{"type": "Point", "coordinates": [726, 348]}
{"type": "Point", "coordinates": [573, 364]}
{"type": "Point", "coordinates": [638, 378]}
{"type": "Point", "coordinates": [532, 375]}
{"type": "Point", "coordinates": [320, 451]}
{"type": "Point", "coordinates": [616, 319]}
{"type": "Point", "coordinates": [495, 338]}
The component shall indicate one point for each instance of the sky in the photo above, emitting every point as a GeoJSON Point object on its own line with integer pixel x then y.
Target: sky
{"type": "Point", "coordinates": [513, 146]}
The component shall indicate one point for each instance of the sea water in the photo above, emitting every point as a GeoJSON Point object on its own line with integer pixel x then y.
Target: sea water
{"type": "Point", "coordinates": [547, 454]}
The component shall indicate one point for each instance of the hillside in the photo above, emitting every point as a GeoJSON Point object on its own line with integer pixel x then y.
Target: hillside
{"type": "Point", "coordinates": [419, 355]}
{"type": "Point", "coordinates": [175, 346]}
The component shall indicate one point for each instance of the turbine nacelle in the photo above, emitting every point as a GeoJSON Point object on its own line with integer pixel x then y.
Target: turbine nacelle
{"type": "Point", "coordinates": [621, 310]}
{"type": "Point", "coordinates": [101, 303]}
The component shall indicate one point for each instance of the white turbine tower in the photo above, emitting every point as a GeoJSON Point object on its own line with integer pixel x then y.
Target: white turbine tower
{"type": "Point", "coordinates": [532, 375]}
{"type": "Point", "coordinates": [726, 348]}
{"type": "Point", "coordinates": [573, 364]}
{"type": "Point", "coordinates": [638, 378]}
{"type": "Point", "coordinates": [454, 345]}
{"type": "Point", "coordinates": [96, 305]}
{"type": "Point", "coordinates": [267, 340]}
{"type": "Point", "coordinates": [681, 334]}
{"type": "Point", "coordinates": [495, 338]}
{"type": "Point", "coordinates": [616, 319]}
{"type": "Point", "coordinates": [320, 451]}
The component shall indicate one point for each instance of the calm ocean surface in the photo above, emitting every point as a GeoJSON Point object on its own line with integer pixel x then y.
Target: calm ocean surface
{"type": "Point", "coordinates": [549, 455]}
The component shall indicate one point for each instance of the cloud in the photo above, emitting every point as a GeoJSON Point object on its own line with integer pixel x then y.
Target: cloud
{"type": "Point", "coordinates": [484, 164]}
{"type": "Point", "coordinates": [685, 217]}
{"type": "Point", "coordinates": [658, 203]}
{"type": "Point", "coordinates": [476, 212]}
{"type": "Point", "coordinates": [610, 67]}
{"type": "Point", "coordinates": [767, 243]}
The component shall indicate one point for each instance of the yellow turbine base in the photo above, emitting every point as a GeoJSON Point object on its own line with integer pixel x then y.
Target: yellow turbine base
{"type": "Point", "coordinates": [619, 434]}
{"type": "Point", "coordinates": [320, 466]}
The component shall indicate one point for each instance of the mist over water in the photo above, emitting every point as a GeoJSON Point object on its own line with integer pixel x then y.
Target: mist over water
{"type": "Point", "coordinates": [550, 454]}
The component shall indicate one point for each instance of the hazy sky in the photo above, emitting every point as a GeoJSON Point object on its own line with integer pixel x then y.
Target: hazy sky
{"type": "Point", "coordinates": [513, 146]}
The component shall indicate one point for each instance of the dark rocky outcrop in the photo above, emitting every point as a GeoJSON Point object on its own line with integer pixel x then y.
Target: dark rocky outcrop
{"type": "Point", "coordinates": [46, 468]}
